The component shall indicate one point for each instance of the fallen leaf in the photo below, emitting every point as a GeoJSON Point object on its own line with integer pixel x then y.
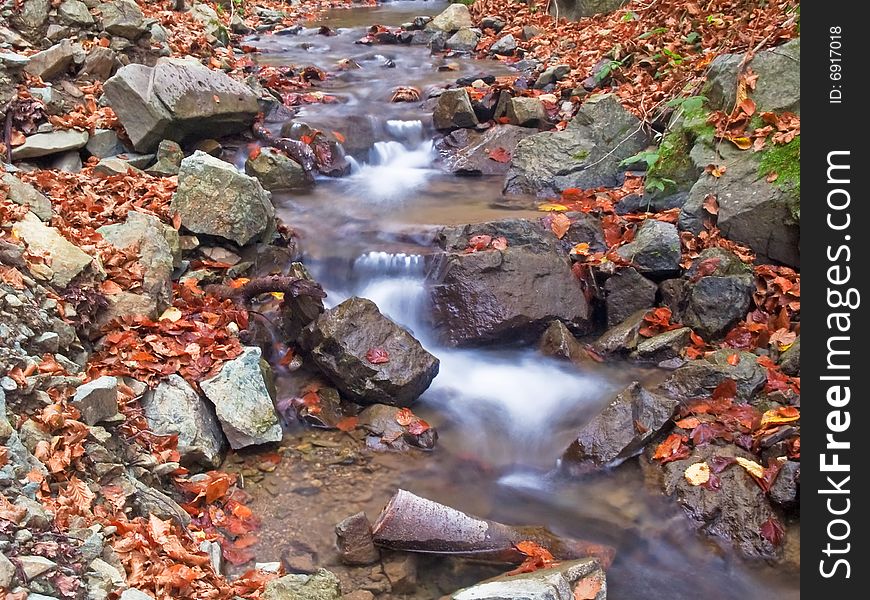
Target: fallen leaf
{"type": "Point", "coordinates": [772, 176]}
{"type": "Point", "coordinates": [552, 207]}
{"type": "Point", "coordinates": [742, 142]}
{"type": "Point", "coordinates": [773, 531]}
{"type": "Point", "coordinates": [587, 588]}
{"type": "Point", "coordinates": [499, 243]}
{"type": "Point", "coordinates": [499, 155]}
{"type": "Point", "coordinates": [405, 417]}
{"type": "Point", "coordinates": [778, 416]}
{"type": "Point", "coordinates": [560, 224]}
{"type": "Point", "coordinates": [537, 557]}
{"type": "Point", "coordinates": [171, 314]}
{"type": "Point", "coordinates": [752, 467]}
{"type": "Point", "coordinates": [347, 424]}
{"type": "Point", "coordinates": [711, 204]}
{"type": "Point", "coordinates": [418, 427]}
{"type": "Point", "coordinates": [377, 356]}
{"type": "Point", "coordinates": [697, 474]}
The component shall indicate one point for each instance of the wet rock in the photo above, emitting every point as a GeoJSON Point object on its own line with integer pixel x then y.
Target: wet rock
{"type": "Point", "coordinates": [626, 293]}
{"type": "Point", "coordinates": [123, 18]}
{"type": "Point", "coordinates": [454, 110]}
{"type": "Point", "coordinates": [340, 341]}
{"type": "Point", "coordinates": [752, 211]}
{"type": "Point", "coordinates": [56, 60]}
{"type": "Point", "coordinates": [551, 75]}
{"type": "Point", "coordinates": [778, 87]}
{"type": "Point", "coordinates": [500, 295]}
{"type": "Point", "coordinates": [299, 557]}
{"type": "Point", "coordinates": [178, 100]}
{"type": "Point", "coordinates": [464, 40]}
{"type": "Point", "coordinates": [584, 228]}
{"type": "Point", "coordinates": [74, 12]}
{"type": "Point", "coordinates": [354, 541]}
{"type": "Point", "coordinates": [655, 249]}
{"type": "Point", "coordinates": [67, 260]}
{"type": "Point", "coordinates": [156, 245]}
{"type": "Point", "coordinates": [468, 152]}
{"type": "Point", "coordinates": [568, 580]}
{"type": "Point", "coordinates": [174, 408]}
{"type": "Point", "coordinates": [526, 112]}
{"type": "Point", "coordinates": [504, 46]}
{"type": "Point", "coordinates": [298, 312]}
{"type": "Point", "coordinates": [785, 490]}
{"type": "Point", "coordinates": [639, 203]}
{"type": "Point", "coordinates": [386, 434]}
{"type": "Point", "coordinates": [401, 572]}
{"type": "Point", "coordinates": [214, 198]}
{"type": "Point", "coordinates": [100, 63]}
{"type": "Point", "coordinates": [277, 172]}
{"type": "Point", "coordinates": [664, 346]}
{"type": "Point", "coordinates": [715, 304]}
{"type": "Point", "coordinates": [620, 431]}
{"type": "Point", "coordinates": [558, 342]}
{"type": "Point", "coordinates": [323, 585]}
{"type": "Point", "coordinates": [97, 400]}
{"type": "Point", "coordinates": [736, 511]}
{"type": "Point", "coordinates": [698, 378]}
{"type": "Point", "coordinates": [454, 17]}
{"type": "Point", "coordinates": [622, 338]}
{"type": "Point", "coordinates": [45, 144]}
{"type": "Point", "coordinates": [790, 360]}
{"type": "Point", "coordinates": [587, 154]}
{"type": "Point", "coordinates": [27, 195]}
{"type": "Point", "coordinates": [242, 401]}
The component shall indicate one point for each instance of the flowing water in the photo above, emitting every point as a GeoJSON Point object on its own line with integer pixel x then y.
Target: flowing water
{"type": "Point", "coordinates": [504, 415]}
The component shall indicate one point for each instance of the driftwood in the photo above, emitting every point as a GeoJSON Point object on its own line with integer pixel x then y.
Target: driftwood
{"type": "Point", "coordinates": [295, 149]}
{"type": "Point", "coordinates": [290, 286]}
{"type": "Point", "coordinates": [413, 524]}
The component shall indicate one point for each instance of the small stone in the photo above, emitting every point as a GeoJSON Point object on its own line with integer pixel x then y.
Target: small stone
{"type": "Point", "coordinates": [7, 572]}
{"type": "Point", "coordinates": [34, 566]}
{"type": "Point", "coordinates": [74, 12]}
{"type": "Point", "coordinates": [505, 46]}
{"type": "Point", "coordinates": [401, 570]}
{"type": "Point", "coordinates": [655, 249]}
{"type": "Point", "coordinates": [354, 541]}
{"type": "Point", "coordinates": [454, 110]}
{"type": "Point", "coordinates": [323, 585]}
{"type": "Point", "coordinates": [97, 400]}
{"type": "Point", "coordinates": [104, 143]}
{"type": "Point", "coordinates": [526, 112]}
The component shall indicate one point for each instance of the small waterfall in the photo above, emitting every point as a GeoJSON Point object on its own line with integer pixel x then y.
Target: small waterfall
{"type": "Point", "coordinates": [395, 283]}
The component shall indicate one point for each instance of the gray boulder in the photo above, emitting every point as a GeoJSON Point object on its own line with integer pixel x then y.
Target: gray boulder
{"type": "Point", "coordinates": [242, 401]}
{"type": "Point", "coordinates": [454, 110]}
{"type": "Point", "coordinates": [752, 211]}
{"type": "Point", "coordinates": [100, 63]}
{"type": "Point", "coordinates": [178, 100]}
{"type": "Point", "coordinates": [525, 112]}
{"type": "Point", "coordinates": [158, 247]}
{"type": "Point", "coordinates": [66, 260]}
{"type": "Point", "coordinates": [664, 346]}
{"type": "Point", "coordinates": [174, 408]}
{"type": "Point", "coordinates": [567, 580]}
{"type": "Point", "coordinates": [777, 89]}
{"type": "Point", "coordinates": [54, 142]}
{"type": "Point", "coordinates": [341, 342]}
{"type": "Point", "coordinates": [276, 172]}
{"type": "Point", "coordinates": [620, 431]}
{"type": "Point", "coordinates": [587, 154]}
{"type": "Point", "coordinates": [504, 295]}
{"type": "Point", "coordinates": [123, 18]}
{"type": "Point", "coordinates": [715, 304]}
{"type": "Point", "coordinates": [169, 157]}
{"type": "Point", "coordinates": [104, 143]}
{"type": "Point", "coordinates": [464, 40]}
{"type": "Point", "coordinates": [655, 249]}
{"type": "Point", "coordinates": [624, 337]}
{"type": "Point", "coordinates": [75, 12]}
{"type": "Point", "coordinates": [454, 18]}
{"type": "Point", "coordinates": [213, 198]}
{"type": "Point", "coordinates": [504, 46]}
{"type": "Point", "coordinates": [97, 400]}
{"type": "Point", "coordinates": [627, 292]}
{"type": "Point", "coordinates": [56, 60]}
{"type": "Point", "coordinates": [698, 378]}
{"type": "Point", "coordinates": [32, 14]}
{"type": "Point", "coordinates": [468, 152]}
{"type": "Point", "coordinates": [27, 195]}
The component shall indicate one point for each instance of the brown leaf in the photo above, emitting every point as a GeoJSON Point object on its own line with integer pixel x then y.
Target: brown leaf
{"type": "Point", "coordinates": [560, 224]}
{"type": "Point", "coordinates": [499, 155]}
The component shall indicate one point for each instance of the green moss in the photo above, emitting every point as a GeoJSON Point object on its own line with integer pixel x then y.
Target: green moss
{"type": "Point", "coordinates": [581, 155]}
{"type": "Point", "coordinates": [695, 122]}
{"type": "Point", "coordinates": [674, 161]}
{"type": "Point", "coordinates": [785, 161]}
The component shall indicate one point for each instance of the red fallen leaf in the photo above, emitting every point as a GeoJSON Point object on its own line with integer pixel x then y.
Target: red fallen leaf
{"type": "Point", "coordinates": [405, 417]}
{"type": "Point", "coordinates": [711, 204]}
{"type": "Point", "coordinates": [418, 427]}
{"type": "Point", "coordinates": [499, 155]}
{"type": "Point", "coordinates": [560, 224]}
{"type": "Point", "coordinates": [255, 152]}
{"type": "Point", "coordinates": [706, 267]}
{"type": "Point", "coordinates": [726, 389]}
{"type": "Point", "coordinates": [707, 432]}
{"type": "Point", "coordinates": [499, 243]}
{"type": "Point", "coordinates": [341, 139]}
{"type": "Point", "coordinates": [537, 557]}
{"type": "Point", "coordinates": [720, 463]}
{"type": "Point", "coordinates": [377, 356]}
{"type": "Point", "coordinates": [347, 424]}
{"type": "Point", "coordinates": [479, 242]}
{"type": "Point", "coordinates": [773, 531]}
{"type": "Point", "coordinates": [287, 358]}
{"type": "Point", "coordinates": [713, 484]}
{"type": "Point", "coordinates": [237, 556]}
{"type": "Point", "coordinates": [673, 448]}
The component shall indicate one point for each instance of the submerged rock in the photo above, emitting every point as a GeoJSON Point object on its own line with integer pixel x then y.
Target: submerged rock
{"type": "Point", "coordinates": [569, 580]}
{"type": "Point", "coordinates": [620, 431]}
{"type": "Point", "coordinates": [242, 401]}
{"type": "Point", "coordinates": [354, 541]}
{"type": "Point", "coordinates": [175, 408]}
{"type": "Point", "coordinates": [558, 342]}
{"type": "Point", "coordinates": [367, 356]}
{"type": "Point", "coordinates": [387, 434]}
{"type": "Point", "coordinates": [213, 198]}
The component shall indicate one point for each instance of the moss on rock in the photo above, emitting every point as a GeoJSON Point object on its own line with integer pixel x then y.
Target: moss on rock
{"type": "Point", "coordinates": [785, 161]}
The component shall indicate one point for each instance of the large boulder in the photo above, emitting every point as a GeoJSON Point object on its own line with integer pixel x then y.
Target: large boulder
{"type": "Point", "coordinates": [367, 356]}
{"type": "Point", "coordinates": [498, 295]}
{"type": "Point", "coordinates": [242, 401]}
{"type": "Point", "coordinates": [752, 211]}
{"type": "Point", "coordinates": [178, 100]}
{"type": "Point", "coordinates": [455, 17]}
{"type": "Point", "coordinates": [777, 89]}
{"type": "Point", "coordinates": [587, 154]}
{"type": "Point", "coordinates": [175, 408]}
{"type": "Point", "coordinates": [158, 247]}
{"type": "Point", "coordinates": [699, 378]}
{"type": "Point", "coordinates": [65, 260]}
{"type": "Point", "coordinates": [655, 249]}
{"type": "Point", "coordinates": [123, 18]}
{"type": "Point", "coordinates": [620, 430]}
{"type": "Point", "coordinates": [53, 142]}
{"type": "Point", "coordinates": [454, 110]}
{"type": "Point", "coordinates": [213, 198]}
{"type": "Point", "coordinates": [627, 292]}
{"type": "Point", "coordinates": [468, 152]}
{"type": "Point", "coordinates": [568, 580]}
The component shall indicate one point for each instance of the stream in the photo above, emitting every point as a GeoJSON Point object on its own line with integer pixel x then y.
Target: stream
{"type": "Point", "coordinates": [504, 415]}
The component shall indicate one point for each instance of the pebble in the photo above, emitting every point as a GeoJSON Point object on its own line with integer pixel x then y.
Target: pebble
{"type": "Point", "coordinates": [13, 300]}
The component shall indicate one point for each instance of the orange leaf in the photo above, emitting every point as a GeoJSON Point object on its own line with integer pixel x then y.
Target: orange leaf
{"type": "Point", "coordinates": [560, 224]}
{"type": "Point", "coordinates": [341, 139]}
{"type": "Point", "coordinates": [347, 424]}
{"type": "Point", "coordinates": [499, 155]}
{"type": "Point", "coordinates": [405, 417]}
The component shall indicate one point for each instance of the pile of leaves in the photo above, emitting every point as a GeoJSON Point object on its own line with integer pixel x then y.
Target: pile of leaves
{"type": "Point", "coordinates": [646, 52]}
